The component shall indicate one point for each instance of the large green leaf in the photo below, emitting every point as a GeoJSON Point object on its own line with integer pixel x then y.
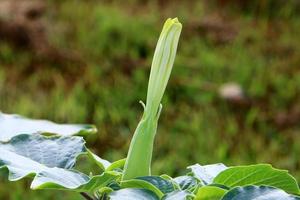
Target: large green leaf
{"type": "Point", "coordinates": [141, 184]}
{"type": "Point", "coordinates": [207, 173]}
{"type": "Point", "coordinates": [210, 193]}
{"type": "Point", "coordinates": [13, 125]}
{"type": "Point", "coordinates": [163, 185]}
{"type": "Point", "coordinates": [72, 180]}
{"type": "Point", "coordinates": [186, 182]}
{"type": "Point", "coordinates": [28, 154]}
{"type": "Point", "coordinates": [133, 194]}
{"type": "Point", "coordinates": [156, 184]}
{"type": "Point", "coordinates": [177, 195]}
{"type": "Point", "coordinates": [258, 193]}
{"type": "Point", "coordinates": [50, 161]}
{"type": "Point", "coordinates": [261, 174]}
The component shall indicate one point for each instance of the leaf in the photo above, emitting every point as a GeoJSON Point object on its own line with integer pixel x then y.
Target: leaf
{"type": "Point", "coordinates": [261, 174]}
{"type": "Point", "coordinates": [103, 164]}
{"type": "Point", "coordinates": [141, 184]}
{"type": "Point", "coordinates": [210, 193]}
{"type": "Point", "coordinates": [169, 178]}
{"type": "Point", "coordinates": [156, 184]}
{"type": "Point", "coordinates": [58, 178]}
{"type": "Point", "coordinates": [114, 185]}
{"type": "Point", "coordinates": [163, 185]}
{"type": "Point", "coordinates": [119, 164]}
{"type": "Point", "coordinates": [133, 194]}
{"type": "Point", "coordinates": [27, 154]}
{"type": "Point", "coordinates": [104, 190]}
{"type": "Point", "coordinates": [177, 195]}
{"type": "Point", "coordinates": [75, 181]}
{"type": "Point", "coordinates": [186, 182]}
{"type": "Point", "coordinates": [207, 173]}
{"type": "Point", "coordinates": [13, 125]}
{"type": "Point", "coordinates": [50, 161]}
{"type": "Point", "coordinates": [258, 193]}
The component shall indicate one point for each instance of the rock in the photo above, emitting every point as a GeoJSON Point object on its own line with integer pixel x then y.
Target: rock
{"type": "Point", "coordinates": [231, 92]}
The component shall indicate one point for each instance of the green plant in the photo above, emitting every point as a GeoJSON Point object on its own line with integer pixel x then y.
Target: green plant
{"type": "Point", "coordinates": [28, 149]}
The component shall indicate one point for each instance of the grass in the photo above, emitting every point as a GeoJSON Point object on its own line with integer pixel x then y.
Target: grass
{"type": "Point", "coordinates": [116, 43]}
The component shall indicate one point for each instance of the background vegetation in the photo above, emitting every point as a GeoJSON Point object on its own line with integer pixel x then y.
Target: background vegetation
{"type": "Point", "coordinates": [100, 66]}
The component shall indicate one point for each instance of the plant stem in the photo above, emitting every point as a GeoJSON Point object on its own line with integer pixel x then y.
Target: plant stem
{"type": "Point", "coordinates": [86, 196]}
{"type": "Point", "coordinates": [140, 150]}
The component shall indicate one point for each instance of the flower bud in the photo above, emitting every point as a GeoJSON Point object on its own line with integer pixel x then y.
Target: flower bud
{"type": "Point", "coordinates": [162, 64]}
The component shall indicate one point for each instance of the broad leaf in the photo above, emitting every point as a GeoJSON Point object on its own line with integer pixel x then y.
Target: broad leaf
{"type": "Point", "coordinates": [141, 184]}
{"type": "Point", "coordinates": [258, 193]}
{"type": "Point", "coordinates": [261, 174]}
{"type": "Point", "coordinates": [114, 185]}
{"type": "Point", "coordinates": [156, 184]}
{"type": "Point", "coordinates": [210, 193]}
{"type": "Point", "coordinates": [72, 180]}
{"type": "Point", "coordinates": [103, 164]}
{"type": "Point", "coordinates": [177, 195]}
{"type": "Point", "coordinates": [186, 182]}
{"type": "Point", "coordinates": [133, 194]}
{"type": "Point", "coordinates": [49, 160]}
{"type": "Point", "coordinates": [30, 154]}
{"type": "Point", "coordinates": [207, 173]}
{"type": "Point", "coordinates": [163, 185]}
{"type": "Point", "coordinates": [13, 125]}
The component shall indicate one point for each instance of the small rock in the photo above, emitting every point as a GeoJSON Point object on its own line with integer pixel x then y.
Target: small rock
{"type": "Point", "coordinates": [231, 92]}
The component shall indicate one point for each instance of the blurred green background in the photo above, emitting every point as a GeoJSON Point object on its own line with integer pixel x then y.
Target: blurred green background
{"type": "Point", "coordinates": [88, 61]}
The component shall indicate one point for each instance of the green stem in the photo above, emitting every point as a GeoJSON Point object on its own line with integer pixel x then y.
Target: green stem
{"type": "Point", "coordinates": [143, 137]}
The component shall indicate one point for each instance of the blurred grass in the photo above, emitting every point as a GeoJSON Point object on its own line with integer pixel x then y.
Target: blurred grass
{"type": "Point", "coordinates": [116, 41]}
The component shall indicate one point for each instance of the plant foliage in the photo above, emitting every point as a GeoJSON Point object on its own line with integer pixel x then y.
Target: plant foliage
{"type": "Point", "coordinates": [50, 160]}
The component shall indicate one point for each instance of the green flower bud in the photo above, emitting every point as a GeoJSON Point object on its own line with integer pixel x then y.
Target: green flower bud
{"type": "Point", "coordinates": [139, 157]}
{"type": "Point", "coordinates": [162, 64]}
